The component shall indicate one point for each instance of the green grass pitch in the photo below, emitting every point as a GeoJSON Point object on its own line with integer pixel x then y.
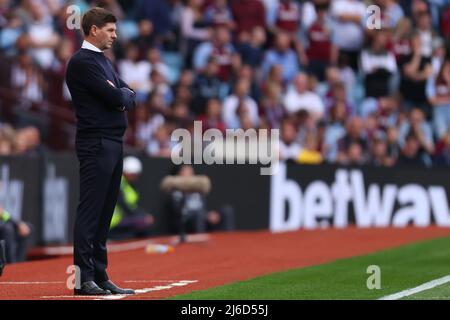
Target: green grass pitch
{"type": "Point", "coordinates": [401, 268]}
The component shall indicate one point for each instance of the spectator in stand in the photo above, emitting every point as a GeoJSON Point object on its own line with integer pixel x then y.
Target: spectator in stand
{"type": "Point", "coordinates": [221, 49]}
{"type": "Point", "coordinates": [42, 36]}
{"type": "Point", "coordinates": [27, 78]}
{"type": "Point", "coordinates": [393, 147]}
{"type": "Point", "coordinates": [274, 80]}
{"type": "Point", "coordinates": [355, 135]}
{"type": "Point", "coordinates": [349, 28]}
{"type": "Point", "coordinates": [335, 130]}
{"type": "Point", "coordinates": [439, 54]}
{"type": "Point", "coordinates": [324, 88]}
{"type": "Point", "coordinates": [136, 72]}
{"type": "Point", "coordinates": [401, 39]}
{"type": "Point", "coordinates": [288, 20]}
{"type": "Point", "coordinates": [411, 154]}
{"type": "Point", "coordinates": [421, 129]}
{"type": "Point", "coordinates": [377, 65]}
{"type": "Point", "coordinates": [391, 12]}
{"type": "Point", "coordinates": [156, 63]}
{"type": "Point", "coordinates": [160, 144]}
{"type": "Point", "coordinates": [184, 94]}
{"type": "Point", "coordinates": [380, 156]}
{"type": "Point", "coordinates": [245, 72]}
{"type": "Point", "coordinates": [252, 51]}
{"type": "Point", "coordinates": [64, 30]}
{"type": "Point", "coordinates": [338, 94]}
{"type": "Point", "coordinates": [371, 129]}
{"type": "Point", "coordinates": [12, 29]}
{"type": "Point", "coordinates": [159, 13]}
{"type": "Point", "coordinates": [194, 28]}
{"type": "Point", "coordinates": [184, 89]}
{"type": "Point", "coordinates": [309, 153]}
{"type": "Point", "coordinates": [425, 30]}
{"type": "Point", "coordinates": [442, 154]}
{"type": "Point", "coordinates": [273, 110]}
{"type": "Point", "coordinates": [438, 93]}
{"type": "Point", "coordinates": [212, 119]}
{"type": "Point", "coordinates": [148, 120]}
{"type": "Point", "coordinates": [388, 112]}
{"type": "Point", "coordinates": [59, 93]}
{"type": "Point", "coordinates": [160, 85]}
{"type": "Point", "coordinates": [248, 14]}
{"type": "Point", "coordinates": [207, 86]}
{"type": "Point", "coordinates": [309, 14]}
{"type": "Point", "coordinates": [445, 23]}
{"type": "Point", "coordinates": [250, 47]}
{"type": "Point", "coordinates": [354, 155]}
{"type": "Point", "coordinates": [321, 51]}
{"type": "Point", "coordinates": [219, 14]}
{"type": "Point", "coordinates": [180, 115]}
{"type": "Point", "coordinates": [112, 6]}
{"type": "Point", "coordinates": [415, 70]}
{"type": "Point", "coordinates": [287, 17]}
{"type": "Point", "coordinates": [282, 54]}
{"type": "Point", "coordinates": [289, 147]}
{"type": "Point", "coordinates": [238, 104]}
{"type": "Point", "coordinates": [300, 98]}
{"type": "Point", "coordinates": [145, 39]}
{"type": "Point", "coordinates": [348, 76]}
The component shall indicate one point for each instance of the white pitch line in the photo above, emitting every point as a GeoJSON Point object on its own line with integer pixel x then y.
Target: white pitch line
{"type": "Point", "coordinates": [137, 281]}
{"type": "Point", "coordinates": [121, 296]}
{"type": "Point", "coordinates": [72, 297]}
{"type": "Point", "coordinates": [422, 287]}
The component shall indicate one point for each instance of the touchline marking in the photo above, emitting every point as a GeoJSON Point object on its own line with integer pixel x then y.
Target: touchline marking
{"type": "Point", "coordinates": [121, 296]}
{"type": "Point", "coordinates": [136, 281]}
{"type": "Point", "coordinates": [422, 287]}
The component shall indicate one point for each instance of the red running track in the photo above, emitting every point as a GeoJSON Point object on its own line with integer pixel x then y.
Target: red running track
{"type": "Point", "coordinates": [225, 258]}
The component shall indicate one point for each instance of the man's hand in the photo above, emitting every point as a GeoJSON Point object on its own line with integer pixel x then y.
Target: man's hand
{"type": "Point", "coordinates": [149, 219]}
{"type": "Point", "coordinates": [23, 229]}
{"type": "Point", "coordinates": [213, 217]}
{"type": "Point", "coordinates": [129, 98]}
{"type": "Point", "coordinates": [112, 85]}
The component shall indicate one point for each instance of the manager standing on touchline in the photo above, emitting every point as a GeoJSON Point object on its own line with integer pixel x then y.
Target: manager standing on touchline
{"type": "Point", "coordinates": [101, 100]}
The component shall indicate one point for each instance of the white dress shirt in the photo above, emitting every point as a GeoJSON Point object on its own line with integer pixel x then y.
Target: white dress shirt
{"type": "Point", "coordinates": [89, 46]}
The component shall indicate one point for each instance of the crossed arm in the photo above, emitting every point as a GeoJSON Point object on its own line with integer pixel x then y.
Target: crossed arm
{"type": "Point", "coordinates": [122, 99]}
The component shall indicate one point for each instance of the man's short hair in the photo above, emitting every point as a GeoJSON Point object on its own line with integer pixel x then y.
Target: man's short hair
{"type": "Point", "coordinates": [96, 17]}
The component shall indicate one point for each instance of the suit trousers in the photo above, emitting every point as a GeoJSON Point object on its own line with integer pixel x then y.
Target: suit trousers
{"type": "Point", "coordinates": [101, 162]}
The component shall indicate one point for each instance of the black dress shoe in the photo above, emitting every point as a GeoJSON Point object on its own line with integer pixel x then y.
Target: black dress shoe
{"type": "Point", "coordinates": [109, 285]}
{"type": "Point", "coordinates": [90, 288]}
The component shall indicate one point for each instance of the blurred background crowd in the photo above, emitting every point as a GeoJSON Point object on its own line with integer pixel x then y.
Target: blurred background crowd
{"type": "Point", "coordinates": [339, 90]}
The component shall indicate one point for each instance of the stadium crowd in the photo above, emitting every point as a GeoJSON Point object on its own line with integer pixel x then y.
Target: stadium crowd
{"type": "Point", "coordinates": [339, 90]}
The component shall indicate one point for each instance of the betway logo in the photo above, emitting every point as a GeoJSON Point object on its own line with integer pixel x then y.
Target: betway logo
{"type": "Point", "coordinates": [374, 208]}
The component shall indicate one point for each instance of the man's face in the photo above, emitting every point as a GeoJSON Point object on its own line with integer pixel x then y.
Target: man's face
{"type": "Point", "coordinates": [105, 36]}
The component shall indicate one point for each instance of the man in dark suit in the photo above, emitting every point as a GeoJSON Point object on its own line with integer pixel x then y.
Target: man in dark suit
{"type": "Point", "coordinates": [101, 100]}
